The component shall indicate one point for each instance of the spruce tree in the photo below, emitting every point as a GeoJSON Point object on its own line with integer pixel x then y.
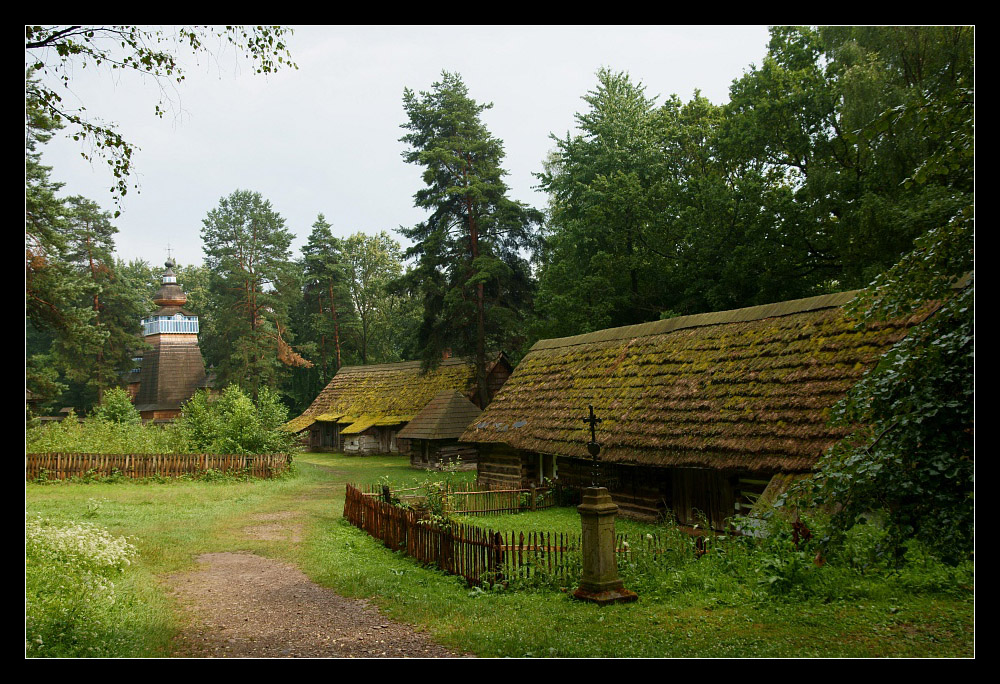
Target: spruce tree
{"type": "Point", "coordinates": [471, 269]}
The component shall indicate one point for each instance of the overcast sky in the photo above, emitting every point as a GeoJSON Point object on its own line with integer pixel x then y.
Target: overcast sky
{"type": "Point", "coordinates": [325, 138]}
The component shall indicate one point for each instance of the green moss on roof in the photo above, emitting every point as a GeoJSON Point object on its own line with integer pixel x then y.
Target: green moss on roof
{"type": "Point", "coordinates": [750, 388]}
{"type": "Point", "coordinates": [388, 392]}
{"type": "Point", "coordinates": [298, 424]}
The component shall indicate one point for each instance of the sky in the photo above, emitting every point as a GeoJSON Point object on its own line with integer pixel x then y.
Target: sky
{"type": "Point", "coordinates": [324, 139]}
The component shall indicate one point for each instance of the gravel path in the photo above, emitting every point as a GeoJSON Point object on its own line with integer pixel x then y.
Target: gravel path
{"type": "Point", "coordinates": [241, 605]}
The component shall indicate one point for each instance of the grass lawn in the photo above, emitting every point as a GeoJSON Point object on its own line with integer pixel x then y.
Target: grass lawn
{"type": "Point", "coordinates": [688, 613]}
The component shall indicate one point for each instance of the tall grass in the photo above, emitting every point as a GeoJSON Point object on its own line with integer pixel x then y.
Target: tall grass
{"type": "Point", "coordinates": [82, 597]}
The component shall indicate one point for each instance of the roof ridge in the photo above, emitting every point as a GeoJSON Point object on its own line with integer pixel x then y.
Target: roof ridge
{"type": "Point", "coordinates": [750, 313]}
{"type": "Point", "coordinates": [404, 365]}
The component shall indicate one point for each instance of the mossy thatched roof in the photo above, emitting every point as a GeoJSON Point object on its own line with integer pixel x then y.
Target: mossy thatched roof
{"type": "Point", "coordinates": [384, 394]}
{"type": "Point", "coordinates": [748, 389]}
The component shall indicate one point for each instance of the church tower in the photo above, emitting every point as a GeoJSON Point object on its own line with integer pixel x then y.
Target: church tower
{"type": "Point", "coordinates": [170, 372]}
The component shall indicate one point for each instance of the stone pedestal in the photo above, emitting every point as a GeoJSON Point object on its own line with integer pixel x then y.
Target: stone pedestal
{"type": "Point", "coordinates": [600, 583]}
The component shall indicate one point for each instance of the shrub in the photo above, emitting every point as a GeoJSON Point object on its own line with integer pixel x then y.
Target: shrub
{"type": "Point", "coordinates": [117, 407]}
{"type": "Point", "coordinates": [230, 423]}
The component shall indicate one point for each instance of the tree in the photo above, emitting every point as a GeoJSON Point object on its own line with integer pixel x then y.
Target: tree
{"type": "Point", "coordinates": [371, 263]}
{"type": "Point", "coordinates": [52, 289]}
{"type": "Point", "coordinates": [472, 275]}
{"type": "Point", "coordinates": [118, 303]}
{"type": "Point", "coordinates": [247, 254]}
{"type": "Point", "coordinates": [325, 291]}
{"type": "Point", "coordinates": [82, 318]}
{"type": "Point", "coordinates": [56, 51]}
{"type": "Point", "coordinates": [818, 112]}
{"type": "Point", "coordinates": [605, 235]}
{"type": "Point", "coordinates": [911, 457]}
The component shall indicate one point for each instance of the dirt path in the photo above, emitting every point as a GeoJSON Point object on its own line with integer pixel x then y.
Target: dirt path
{"type": "Point", "coordinates": [241, 605]}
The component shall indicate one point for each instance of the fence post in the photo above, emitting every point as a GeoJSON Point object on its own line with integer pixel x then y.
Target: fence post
{"type": "Point", "coordinates": [532, 487]}
{"type": "Point", "coordinates": [498, 556]}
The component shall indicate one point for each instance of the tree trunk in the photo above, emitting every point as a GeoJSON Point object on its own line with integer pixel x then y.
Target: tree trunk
{"type": "Point", "coordinates": [322, 337]}
{"type": "Point", "coordinates": [480, 312]}
{"type": "Point", "coordinates": [336, 323]}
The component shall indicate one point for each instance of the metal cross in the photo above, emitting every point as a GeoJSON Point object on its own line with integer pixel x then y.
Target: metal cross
{"type": "Point", "coordinates": [594, 448]}
{"type": "Point", "coordinates": [593, 420]}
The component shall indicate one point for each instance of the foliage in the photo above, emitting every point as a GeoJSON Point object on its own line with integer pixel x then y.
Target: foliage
{"type": "Point", "coordinates": [911, 458]}
{"type": "Point", "coordinates": [247, 253]}
{"type": "Point", "coordinates": [117, 407]}
{"type": "Point", "coordinates": [97, 436]}
{"type": "Point", "coordinates": [72, 604]}
{"type": "Point", "coordinates": [56, 51]}
{"type": "Point", "coordinates": [913, 455]}
{"type": "Point", "coordinates": [231, 423]}
{"type": "Point", "coordinates": [470, 270]}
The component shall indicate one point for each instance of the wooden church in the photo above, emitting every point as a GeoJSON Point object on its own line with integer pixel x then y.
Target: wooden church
{"type": "Point", "coordinates": [173, 370]}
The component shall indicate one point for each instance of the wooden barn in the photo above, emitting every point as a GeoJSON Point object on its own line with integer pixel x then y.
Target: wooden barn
{"type": "Point", "coordinates": [433, 433]}
{"type": "Point", "coordinates": [701, 414]}
{"type": "Point", "coordinates": [363, 408]}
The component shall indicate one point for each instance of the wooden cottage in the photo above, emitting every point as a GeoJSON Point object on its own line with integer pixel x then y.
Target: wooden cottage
{"type": "Point", "coordinates": [363, 408]}
{"type": "Point", "coordinates": [700, 413]}
{"type": "Point", "coordinates": [433, 433]}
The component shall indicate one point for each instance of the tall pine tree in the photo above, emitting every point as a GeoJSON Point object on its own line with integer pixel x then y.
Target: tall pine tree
{"type": "Point", "coordinates": [471, 269]}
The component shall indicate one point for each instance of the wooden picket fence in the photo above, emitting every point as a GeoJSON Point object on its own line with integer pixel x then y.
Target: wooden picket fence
{"type": "Point", "coordinates": [63, 466]}
{"type": "Point", "coordinates": [466, 498]}
{"type": "Point", "coordinates": [481, 555]}
{"type": "Point", "coordinates": [471, 552]}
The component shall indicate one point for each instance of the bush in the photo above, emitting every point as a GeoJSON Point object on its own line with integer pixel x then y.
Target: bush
{"type": "Point", "coordinates": [117, 407]}
{"type": "Point", "coordinates": [98, 436]}
{"type": "Point", "coordinates": [230, 423]}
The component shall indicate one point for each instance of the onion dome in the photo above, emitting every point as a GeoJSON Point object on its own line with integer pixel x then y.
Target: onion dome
{"type": "Point", "coordinates": [170, 293]}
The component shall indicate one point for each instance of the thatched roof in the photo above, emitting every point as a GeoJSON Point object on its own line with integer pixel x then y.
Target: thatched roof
{"type": "Point", "coordinates": [359, 397]}
{"type": "Point", "coordinates": [749, 389]}
{"type": "Point", "coordinates": [446, 416]}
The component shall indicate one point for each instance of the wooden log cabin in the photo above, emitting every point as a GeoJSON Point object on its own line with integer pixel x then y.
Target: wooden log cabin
{"type": "Point", "coordinates": [363, 408]}
{"type": "Point", "coordinates": [433, 433]}
{"type": "Point", "coordinates": [701, 415]}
